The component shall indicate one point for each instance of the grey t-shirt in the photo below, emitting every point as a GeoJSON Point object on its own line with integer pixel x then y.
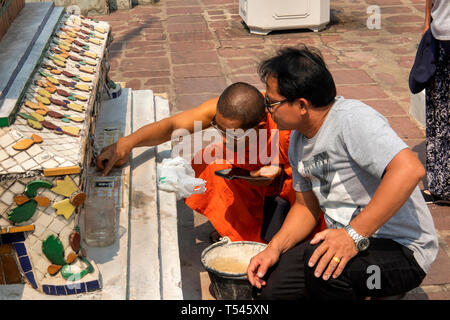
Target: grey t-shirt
{"type": "Point", "coordinates": [440, 25]}
{"type": "Point", "coordinates": [343, 165]}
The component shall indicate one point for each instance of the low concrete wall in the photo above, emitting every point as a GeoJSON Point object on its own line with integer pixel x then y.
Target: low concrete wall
{"type": "Point", "coordinates": [86, 7]}
{"type": "Point", "coordinates": [96, 7]}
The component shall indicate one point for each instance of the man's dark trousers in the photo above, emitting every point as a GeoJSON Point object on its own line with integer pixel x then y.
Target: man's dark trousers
{"type": "Point", "coordinates": [386, 268]}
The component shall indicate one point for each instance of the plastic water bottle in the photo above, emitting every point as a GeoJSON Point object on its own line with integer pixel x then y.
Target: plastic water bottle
{"type": "Point", "coordinates": [99, 221]}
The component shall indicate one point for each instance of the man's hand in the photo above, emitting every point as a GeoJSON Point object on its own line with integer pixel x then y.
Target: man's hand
{"type": "Point", "coordinates": [336, 243]}
{"type": "Point", "coordinates": [267, 171]}
{"type": "Point", "coordinates": [259, 265]}
{"type": "Point", "coordinates": [116, 154]}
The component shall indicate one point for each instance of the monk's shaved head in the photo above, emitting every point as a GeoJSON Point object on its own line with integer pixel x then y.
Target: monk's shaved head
{"type": "Point", "coordinates": [242, 101]}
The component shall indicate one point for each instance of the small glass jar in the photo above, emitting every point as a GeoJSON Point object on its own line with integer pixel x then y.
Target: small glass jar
{"type": "Point", "coordinates": [99, 221]}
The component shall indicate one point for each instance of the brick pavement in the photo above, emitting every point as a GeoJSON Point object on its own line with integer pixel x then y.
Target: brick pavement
{"type": "Point", "coordinates": [193, 49]}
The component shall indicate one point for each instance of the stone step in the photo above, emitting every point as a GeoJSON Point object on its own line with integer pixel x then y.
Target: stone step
{"type": "Point", "coordinates": [154, 257]}
{"type": "Point", "coordinates": [18, 59]}
{"type": "Point", "coordinates": [143, 263]}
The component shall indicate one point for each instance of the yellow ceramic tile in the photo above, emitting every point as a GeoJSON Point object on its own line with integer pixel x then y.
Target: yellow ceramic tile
{"type": "Point", "coordinates": [44, 100]}
{"type": "Point", "coordinates": [73, 131]}
{"type": "Point", "coordinates": [87, 69]}
{"type": "Point", "coordinates": [23, 144]}
{"type": "Point", "coordinates": [65, 187]}
{"type": "Point", "coordinates": [34, 124]}
{"type": "Point", "coordinates": [80, 97]}
{"type": "Point", "coordinates": [83, 87]}
{"type": "Point", "coordinates": [44, 93]}
{"type": "Point", "coordinates": [59, 63]}
{"type": "Point", "coordinates": [95, 41]}
{"type": "Point", "coordinates": [64, 47]}
{"type": "Point", "coordinates": [31, 105]}
{"type": "Point", "coordinates": [101, 30]}
{"type": "Point", "coordinates": [76, 119]}
{"type": "Point", "coordinates": [85, 79]}
{"type": "Point", "coordinates": [90, 54]}
{"type": "Point", "coordinates": [75, 107]}
{"type": "Point", "coordinates": [42, 112]}
{"type": "Point", "coordinates": [53, 80]}
{"type": "Point", "coordinates": [37, 116]}
{"type": "Point", "coordinates": [91, 63]}
{"type": "Point", "coordinates": [42, 106]}
{"type": "Point", "coordinates": [61, 171]}
{"type": "Point", "coordinates": [64, 208]}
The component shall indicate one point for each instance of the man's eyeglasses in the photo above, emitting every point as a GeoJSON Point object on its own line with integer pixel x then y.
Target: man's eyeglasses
{"type": "Point", "coordinates": [235, 134]}
{"type": "Point", "coordinates": [271, 106]}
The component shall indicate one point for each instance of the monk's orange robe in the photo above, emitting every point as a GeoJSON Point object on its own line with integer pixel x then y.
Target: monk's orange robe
{"type": "Point", "coordinates": [235, 207]}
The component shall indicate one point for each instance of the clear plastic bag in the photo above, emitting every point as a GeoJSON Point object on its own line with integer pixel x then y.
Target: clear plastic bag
{"type": "Point", "coordinates": [176, 175]}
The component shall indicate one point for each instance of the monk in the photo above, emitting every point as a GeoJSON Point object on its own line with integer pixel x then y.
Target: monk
{"type": "Point", "coordinates": [234, 207]}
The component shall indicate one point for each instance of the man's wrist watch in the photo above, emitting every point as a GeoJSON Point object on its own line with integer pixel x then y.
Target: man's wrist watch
{"type": "Point", "coordinates": [361, 242]}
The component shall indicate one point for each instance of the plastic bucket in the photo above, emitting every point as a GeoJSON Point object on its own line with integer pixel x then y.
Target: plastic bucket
{"type": "Point", "coordinates": [229, 284]}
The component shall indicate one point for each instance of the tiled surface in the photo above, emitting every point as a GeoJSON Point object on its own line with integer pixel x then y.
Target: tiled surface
{"type": "Point", "coordinates": [56, 150]}
{"type": "Point", "coordinates": [192, 49]}
{"type": "Point", "coordinates": [17, 168]}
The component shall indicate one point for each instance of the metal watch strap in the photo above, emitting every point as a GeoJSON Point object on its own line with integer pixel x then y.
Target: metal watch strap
{"type": "Point", "coordinates": [354, 235]}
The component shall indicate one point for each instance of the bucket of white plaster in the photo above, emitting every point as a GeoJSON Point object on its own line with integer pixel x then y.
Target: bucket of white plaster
{"type": "Point", "coordinates": [226, 263]}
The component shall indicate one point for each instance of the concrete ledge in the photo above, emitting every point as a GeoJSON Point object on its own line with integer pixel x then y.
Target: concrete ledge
{"type": "Point", "coordinates": [35, 25]}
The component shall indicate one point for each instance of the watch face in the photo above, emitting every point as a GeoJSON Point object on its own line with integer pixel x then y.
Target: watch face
{"type": "Point", "coordinates": [363, 244]}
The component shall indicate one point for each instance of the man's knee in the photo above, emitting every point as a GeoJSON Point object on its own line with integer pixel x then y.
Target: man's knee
{"type": "Point", "coordinates": [285, 280]}
{"type": "Point", "coordinates": [309, 250]}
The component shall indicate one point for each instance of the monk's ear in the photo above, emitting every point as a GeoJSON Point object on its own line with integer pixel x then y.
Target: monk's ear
{"type": "Point", "coordinates": [262, 124]}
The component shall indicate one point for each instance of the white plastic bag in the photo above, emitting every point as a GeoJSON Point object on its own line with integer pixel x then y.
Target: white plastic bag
{"type": "Point", "coordinates": [176, 175]}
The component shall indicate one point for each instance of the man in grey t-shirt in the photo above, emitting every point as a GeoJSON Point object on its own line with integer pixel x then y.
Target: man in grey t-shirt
{"type": "Point", "coordinates": [348, 163]}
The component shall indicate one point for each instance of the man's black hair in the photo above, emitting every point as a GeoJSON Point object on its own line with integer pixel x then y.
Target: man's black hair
{"type": "Point", "coordinates": [242, 101]}
{"type": "Point", "coordinates": [300, 73]}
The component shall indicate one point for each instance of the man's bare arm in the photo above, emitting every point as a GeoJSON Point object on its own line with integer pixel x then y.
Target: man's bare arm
{"type": "Point", "coordinates": [401, 176]}
{"type": "Point", "coordinates": [299, 223]}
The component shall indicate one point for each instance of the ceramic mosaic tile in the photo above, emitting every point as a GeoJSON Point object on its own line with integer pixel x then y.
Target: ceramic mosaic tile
{"type": "Point", "coordinates": [49, 142]}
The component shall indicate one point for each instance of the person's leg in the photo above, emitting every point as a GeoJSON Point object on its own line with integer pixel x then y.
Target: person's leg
{"type": "Point", "coordinates": [437, 143]}
{"type": "Point", "coordinates": [285, 280]}
{"type": "Point", "coordinates": [386, 268]}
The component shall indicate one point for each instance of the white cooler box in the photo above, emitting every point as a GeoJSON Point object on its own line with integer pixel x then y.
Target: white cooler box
{"type": "Point", "coordinates": [264, 16]}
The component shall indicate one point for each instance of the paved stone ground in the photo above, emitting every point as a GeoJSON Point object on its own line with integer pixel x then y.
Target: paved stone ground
{"type": "Point", "coordinates": [193, 49]}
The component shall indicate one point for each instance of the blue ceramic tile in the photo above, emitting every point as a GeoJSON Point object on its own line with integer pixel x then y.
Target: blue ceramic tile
{"type": "Point", "coordinates": [52, 290]}
{"type": "Point", "coordinates": [30, 277]}
{"type": "Point", "coordinates": [46, 289]}
{"type": "Point", "coordinates": [92, 285]}
{"type": "Point", "coordinates": [49, 289]}
{"type": "Point", "coordinates": [25, 264]}
{"type": "Point", "coordinates": [12, 237]}
{"type": "Point", "coordinates": [20, 249]}
{"type": "Point", "coordinates": [70, 289]}
{"type": "Point", "coordinates": [81, 288]}
{"type": "Point", "coordinates": [61, 290]}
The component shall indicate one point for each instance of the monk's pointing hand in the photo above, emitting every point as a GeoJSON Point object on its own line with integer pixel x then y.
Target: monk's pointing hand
{"type": "Point", "coordinates": [116, 154]}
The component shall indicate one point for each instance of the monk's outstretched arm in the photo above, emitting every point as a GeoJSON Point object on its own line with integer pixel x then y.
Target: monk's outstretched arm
{"type": "Point", "coordinates": [153, 134]}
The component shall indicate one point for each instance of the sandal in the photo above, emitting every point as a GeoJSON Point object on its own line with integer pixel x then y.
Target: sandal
{"type": "Point", "coordinates": [433, 199]}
